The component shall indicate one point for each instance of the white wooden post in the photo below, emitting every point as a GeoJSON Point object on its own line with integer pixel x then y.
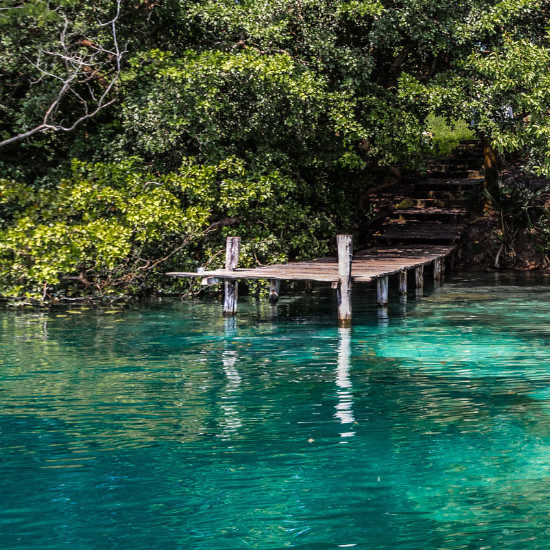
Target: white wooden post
{"type": "Point", "coordinates": [438, 270]}
{"type": "Point", "coordinates": [419, 276]}
{"type": "Point", "coordinates": [382, 290]}
{"type": "Point", "coordinates": [343, 292]}
{"type": "Point", "coordinates": [403, 285]}
{"type": "Point", "coordinates": [274, 288]}
{"type": "Point", "coordinates": [231, 286]}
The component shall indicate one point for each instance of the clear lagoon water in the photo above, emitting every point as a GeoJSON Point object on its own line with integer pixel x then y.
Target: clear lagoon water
{"type": "Point", "coordinates": [162, 425]}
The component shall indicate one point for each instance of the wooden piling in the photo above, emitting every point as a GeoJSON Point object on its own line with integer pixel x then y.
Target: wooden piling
{"type": "Point", "coordinates": [438, 270]}
{"type": "Point", "coordinates": [452, 259]}
{"type": "Point", "coordinates": [231, 286]}
{"type": "Point", "coordinates": [274, 288]}
{"type": "Point", "coordinates": [343, 292]}
{"type": "Point", "coordinates": [382, 290]}
{"type": "Point", "coordinates": [419, 276]}
{"type": "Point", "coordinates": [403, 285]}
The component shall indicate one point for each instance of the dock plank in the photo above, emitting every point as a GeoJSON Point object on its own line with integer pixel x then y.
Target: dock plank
{"type": "Point", "coordinates": [367, 265]}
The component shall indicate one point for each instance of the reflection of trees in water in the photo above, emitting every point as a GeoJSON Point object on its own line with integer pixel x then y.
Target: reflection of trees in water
{"type": "Point", "coordinates": [429, 450]}
{"type": "Point", "coordinates": [73, 369]}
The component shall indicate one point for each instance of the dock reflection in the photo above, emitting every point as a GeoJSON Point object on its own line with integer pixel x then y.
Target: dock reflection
{"type": "Point", "coordinates": [344, 407]}
{"type": "Point", "coordinates": [232, 418]}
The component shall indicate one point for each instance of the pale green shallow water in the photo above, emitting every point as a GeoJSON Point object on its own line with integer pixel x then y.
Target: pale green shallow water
{"type": "Point", "coordinates": [164, 426]}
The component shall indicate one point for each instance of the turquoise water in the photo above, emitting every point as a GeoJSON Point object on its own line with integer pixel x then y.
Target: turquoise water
{"type": "Point", "coordinates": [165, 426]}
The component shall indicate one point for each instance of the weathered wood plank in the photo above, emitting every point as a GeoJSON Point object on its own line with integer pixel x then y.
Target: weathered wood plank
{"type": "Point", "coordinates": [438, 270]}
{"type": "Point", "coordinates": [419, 277]}
{"type": "Point", "coordinates": [365, 267]}
{"type": "Point", "coordinates": [282, 276]}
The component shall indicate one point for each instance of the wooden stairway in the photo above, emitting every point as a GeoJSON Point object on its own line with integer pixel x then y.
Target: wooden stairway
{"type": "Point", "coordinates": [436, 207]}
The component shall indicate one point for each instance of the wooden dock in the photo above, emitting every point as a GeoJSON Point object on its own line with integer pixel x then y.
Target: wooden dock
{"type": "Point", "coordinates": [366, 266]}
{"type": "Point", "coordinates": [342, 272]}
{"type": "Point", "coordinates": [424, 232]}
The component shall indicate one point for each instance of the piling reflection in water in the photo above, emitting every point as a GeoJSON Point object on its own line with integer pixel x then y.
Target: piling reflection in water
{"type": "Point", "coordinates": [229, 398]}
{"type": "Point", "coordinates": [383, 316]}
{"type": "Point", "coordinates": [344, 407]}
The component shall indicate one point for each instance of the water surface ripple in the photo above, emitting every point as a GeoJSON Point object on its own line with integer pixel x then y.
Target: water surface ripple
{"type": "Point", "coordinates": [163, 425]}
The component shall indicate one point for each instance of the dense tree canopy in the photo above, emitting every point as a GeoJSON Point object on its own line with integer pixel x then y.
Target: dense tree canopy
{"type": "Point", "coordinates": [135, 136]}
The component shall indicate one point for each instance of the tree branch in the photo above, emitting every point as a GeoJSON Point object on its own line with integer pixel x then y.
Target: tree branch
{"type": "Point", "coordinates": [80, 70]}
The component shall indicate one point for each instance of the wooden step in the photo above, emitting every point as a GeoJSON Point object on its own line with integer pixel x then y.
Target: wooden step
{"type": "Point", "coordinates": [435, 208]}
{"type": "Point", "coordinates": [466, 155]}
{"type": "Point", "coordinates": [449, 195]}
{"type": "Point", "coordinates": [451, 184]}
{"type": "Point", "coordinates": [468, 151]}
{"type": "Point", "coordinates": [445, 202]}
{"type": "Point", "coordinates": [420, 232]}
{"type": "Point", "coordinates": [452, 165]}
{"type": "Point", "coordinates": [432, 213]}
{"type": "Point", "coordinates": [471, 174]}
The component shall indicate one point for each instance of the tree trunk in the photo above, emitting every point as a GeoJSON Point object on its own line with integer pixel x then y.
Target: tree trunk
{"type": "Point", "coordinates": [491, 167]}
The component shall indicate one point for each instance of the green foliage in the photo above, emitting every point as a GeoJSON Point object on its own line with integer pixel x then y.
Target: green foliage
{"type": "Point", "coordinates": [518, 205]}
{"type": "Point", "coordinates": [521, 209]}
{"type": "Point", "coordinates": [264, 118]}
{"type": "Point", "coordinates": [544, 225]}
{"type": "Point", "coordinates": [501, 83]}
{"type": "Point", "coordinates": [107, 224]}
{"type": "Point", "coordinates": [446, 135]}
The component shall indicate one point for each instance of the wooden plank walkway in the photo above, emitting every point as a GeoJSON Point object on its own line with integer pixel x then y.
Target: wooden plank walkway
{"type": "Point", "coordinates": [373, 264]}
{"type": "Point", "coordinates": [425, 227]}
{"type": "Point", "coordinates": [366, 266]}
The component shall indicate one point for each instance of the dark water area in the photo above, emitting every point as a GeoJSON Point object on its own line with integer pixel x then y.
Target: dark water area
{"type": "Point", "coordinates": [163, 425]}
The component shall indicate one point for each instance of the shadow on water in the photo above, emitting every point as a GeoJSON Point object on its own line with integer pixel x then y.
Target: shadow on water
{"type": "Point", "coordinates": [425, 425]}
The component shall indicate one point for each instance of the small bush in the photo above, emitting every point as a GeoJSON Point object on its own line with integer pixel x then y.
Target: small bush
{"type": "Point", "coordinates": [446, 135]}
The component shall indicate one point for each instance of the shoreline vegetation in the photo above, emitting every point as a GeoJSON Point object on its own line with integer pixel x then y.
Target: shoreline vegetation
{"type": "Point", "coordinates": [135, 138]}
